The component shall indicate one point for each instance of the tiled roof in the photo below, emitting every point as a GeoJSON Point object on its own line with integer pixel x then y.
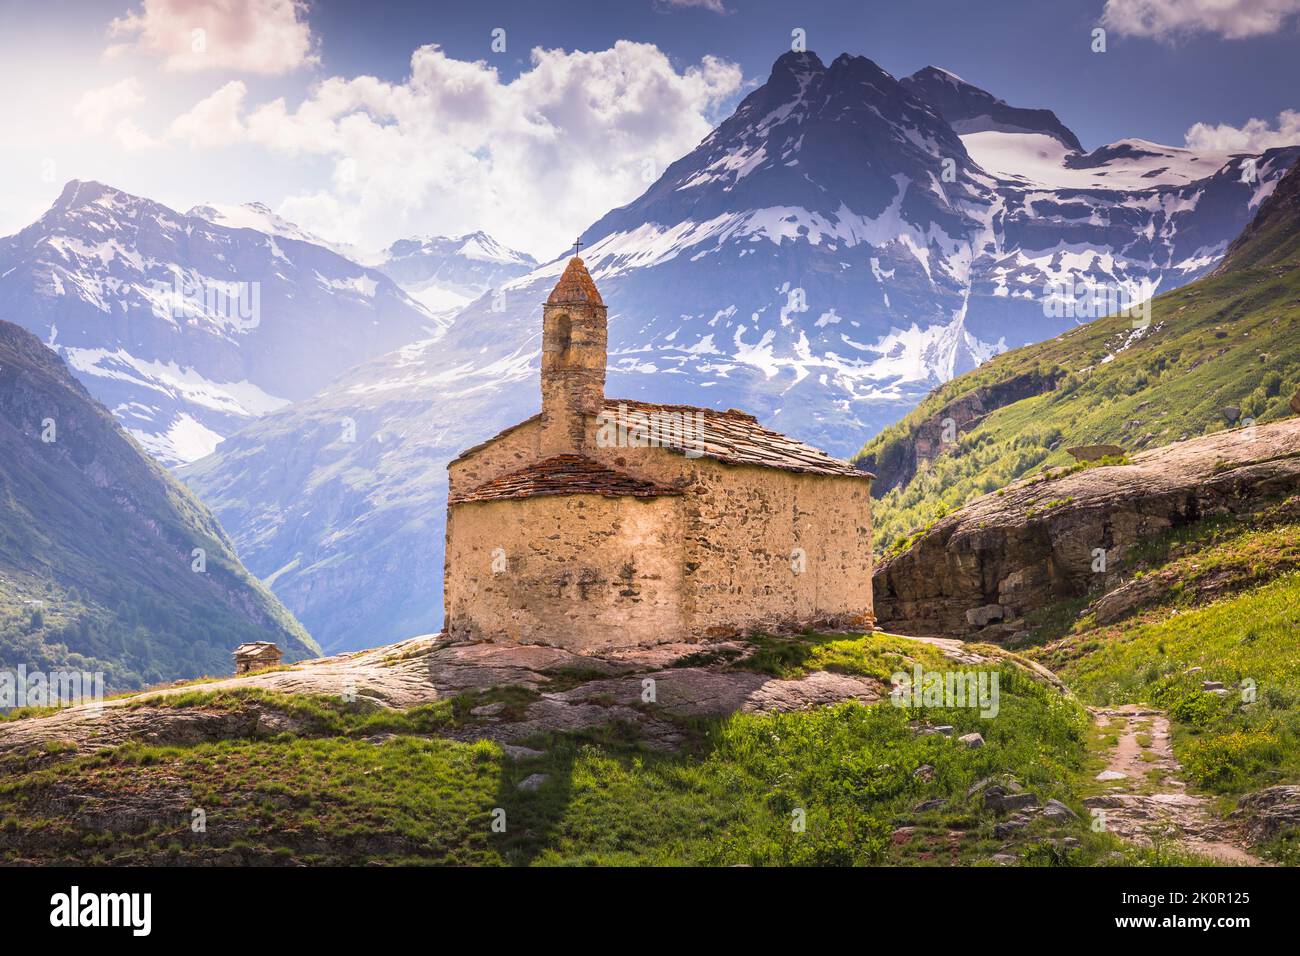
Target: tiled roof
{"type": "Point", "coordinates": [575, 287]}
{"type": "Point", "coordinates": [563, 475]}
{"type": "Point", "coordinates": [734, 437]}
{"type": "Point", "coordinates": [731, 436]}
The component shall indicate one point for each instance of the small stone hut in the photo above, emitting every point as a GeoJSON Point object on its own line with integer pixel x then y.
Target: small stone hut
{"type": "Point", "coordinates": [602, 523]}
{"type": "Point", "coordinates": [256, 656]}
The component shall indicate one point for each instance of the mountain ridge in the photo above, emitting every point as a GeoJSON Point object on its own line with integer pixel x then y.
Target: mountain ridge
{"type": "Point", "coordinates": [98, 561]}
{"type": "Point", "coordinates": [186, 327]}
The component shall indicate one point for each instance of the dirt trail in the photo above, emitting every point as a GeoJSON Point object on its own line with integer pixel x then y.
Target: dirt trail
{"type": "Point", "coordinates": [1148, 799]}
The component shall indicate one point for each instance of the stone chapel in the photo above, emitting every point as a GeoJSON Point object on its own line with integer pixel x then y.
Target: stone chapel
{"type": "Point", "coordinates": [603, 523]}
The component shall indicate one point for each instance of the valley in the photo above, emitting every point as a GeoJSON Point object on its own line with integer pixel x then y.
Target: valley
{"type": "Point", "coordinates": [1077, 646]}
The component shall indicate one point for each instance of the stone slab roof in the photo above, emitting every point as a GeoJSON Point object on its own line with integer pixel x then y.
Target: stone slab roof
{"type": "Point", "coordinates": [563, 475]}
{"type": "Point", "coordinates": [731, 436]}
{"type": "Point", "coordinates": [256, 648]}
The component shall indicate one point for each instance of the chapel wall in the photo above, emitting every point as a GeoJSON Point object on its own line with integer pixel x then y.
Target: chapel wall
{"type": "Point", "coordinates": [582, 572]}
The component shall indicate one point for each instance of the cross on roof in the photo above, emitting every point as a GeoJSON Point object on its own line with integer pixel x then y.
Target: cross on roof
{"type": "Point", "coordinates": [577, 244]}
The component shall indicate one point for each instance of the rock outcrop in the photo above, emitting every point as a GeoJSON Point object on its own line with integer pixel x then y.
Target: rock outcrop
{"type": "Point", "coordinates": [1039, 541]}
{"type": "Point", "coordinates": [1269, 812]}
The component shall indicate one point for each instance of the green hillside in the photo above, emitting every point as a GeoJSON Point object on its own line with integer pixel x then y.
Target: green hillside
{"type": "Point", "coordinates": [1222, 349]}
{"type": "Point", "coordinates": [97, 545]}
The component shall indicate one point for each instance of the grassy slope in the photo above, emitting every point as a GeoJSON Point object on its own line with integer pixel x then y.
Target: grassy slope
{"type": "Point", "coordinates": [1227, 609]}
{"type": "Point", "coordinates": [96, 542]}
{"type": "Point", "coordinates": [729, 797]}
{"type": "Point", "coordinates": [1231, 339]}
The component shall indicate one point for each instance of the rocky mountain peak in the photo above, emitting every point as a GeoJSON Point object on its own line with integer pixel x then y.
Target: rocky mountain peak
{"type": "Point", "coordinates": [969, 109]}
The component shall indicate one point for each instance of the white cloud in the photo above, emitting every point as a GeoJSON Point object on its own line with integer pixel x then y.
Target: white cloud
{"type": "Point", "coordinates": [1169, 19]}
{"type": "Point", "coordinates": [253, 36]}
{"type": "Point", "coordinates": [132, 138]}
{"type": "Point", "coordinates": [453, 148]}
{"type": "Point", "coordinates": [215, 120]}
{"type": "Point", "coordinates": [96, 109]}
{"type": "Point", "coordinates": [1253, 136]}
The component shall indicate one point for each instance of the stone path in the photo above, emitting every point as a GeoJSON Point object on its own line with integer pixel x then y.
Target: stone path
{"type": "Point", "coordinates": [1147, 799]}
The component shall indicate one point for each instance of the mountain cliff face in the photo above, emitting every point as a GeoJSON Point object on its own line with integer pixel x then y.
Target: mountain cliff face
{"type": "Point", "coordinates": [188, 325]}
{"type": "Point", "coordinates": [814, 261]}
{"type": "Point", "coordinates": [1221, 352]}
{"type": "Point", "coordinates": [98, 563]}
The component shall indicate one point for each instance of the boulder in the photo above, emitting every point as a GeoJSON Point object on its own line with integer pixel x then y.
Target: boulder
{"type": "Point", "coordinates": [982, 616]}
{"type": "Point", "coordinates": [1008, 828]}
{"type": "Point", "coordinates": [1056, 810]}
{"type": "Point", "coordinates": [1004, 782]}
{"type": "Point", "coordinates": [1096, 452]}
{"type": "Point", "coordinates": [1269, 812]}
{"type": "Point", "coordinates": [516, 752]}
{"type": "Point", "coordinates": [1006, 802]}
{"type": "Point", "coordinates": [533, 782]}
{"type": "Point", "coordinates": [972, 741]}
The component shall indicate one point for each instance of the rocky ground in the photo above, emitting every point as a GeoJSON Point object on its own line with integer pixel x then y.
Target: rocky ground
{"type": "Point", "coordinates": [577, 692]}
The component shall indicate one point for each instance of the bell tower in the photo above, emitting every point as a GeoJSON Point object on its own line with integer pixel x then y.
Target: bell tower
{"type": "Point", "coordinates": [574, 337]}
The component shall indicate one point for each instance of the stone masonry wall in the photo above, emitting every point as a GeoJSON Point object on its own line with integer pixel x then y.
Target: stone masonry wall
{"type": "Point", "coordinates": [582, 572]}
{"type": "Point", "coordinates": [516, 449]}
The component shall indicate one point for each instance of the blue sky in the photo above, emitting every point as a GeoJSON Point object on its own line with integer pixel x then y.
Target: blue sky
{"type": "Point", "coordinates": [1028, 52]}
{"type": "Point", "coordinates": [275, 104]}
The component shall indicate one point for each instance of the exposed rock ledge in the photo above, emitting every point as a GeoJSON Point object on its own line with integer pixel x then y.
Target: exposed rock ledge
{"type": "Point", "coordinates": [982, 568]}
{"type": "Point", "coordinates": [428, 668]}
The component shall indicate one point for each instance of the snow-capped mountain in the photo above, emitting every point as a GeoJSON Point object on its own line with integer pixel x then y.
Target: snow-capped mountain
{"type": "Point", "coordinates": [188, 325]}
{"type": "Point", "coordinates": [824, 258]}
{"type": "Point", "coordinates": [447, 273]}
{"type": "Point", "coordinates": [256, 216]}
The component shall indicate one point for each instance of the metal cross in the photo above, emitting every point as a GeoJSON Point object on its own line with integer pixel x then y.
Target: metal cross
{"type": "Point", "coordinates": [577, 244]}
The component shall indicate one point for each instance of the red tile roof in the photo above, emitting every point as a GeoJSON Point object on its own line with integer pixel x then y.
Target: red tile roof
{"type": "Point", "coordinates": [563, 475]}
{"type": "Point", "coordinates": [575, 287]}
